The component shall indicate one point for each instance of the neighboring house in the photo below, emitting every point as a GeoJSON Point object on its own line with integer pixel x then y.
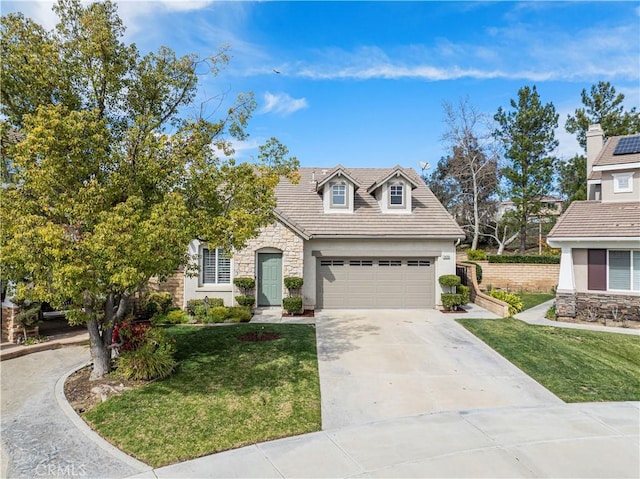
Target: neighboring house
{"type": "Point", "coordinates": [551, 206]}
{"type": "Point", "coordinates": [600, 237]}
{"type": "Point", "coordinates": [360, 238]}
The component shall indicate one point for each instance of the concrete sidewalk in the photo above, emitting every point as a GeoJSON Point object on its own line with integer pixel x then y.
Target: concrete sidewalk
{"type": "Point", "coordinates": [536, 314]}
{"type": "Point", "coordinates": [577, 441]}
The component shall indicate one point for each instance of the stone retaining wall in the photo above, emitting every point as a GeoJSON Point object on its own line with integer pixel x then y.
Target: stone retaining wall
{"type": "Point", "coordinates": [520, 276]}
{"type": "Point", "coordinates": [594, 305]}
{"type": "Point", "coordinates": [485, 301]}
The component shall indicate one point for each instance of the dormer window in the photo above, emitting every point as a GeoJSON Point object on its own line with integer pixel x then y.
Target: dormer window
{"type": "Point", "coordinates": [339, 195]}
{"type": "Point", "coordinates": [396, 195]}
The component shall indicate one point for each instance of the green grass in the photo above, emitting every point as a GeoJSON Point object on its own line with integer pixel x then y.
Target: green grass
{"type": "Point", "coordinates": [576, 365]}
{"type": "Point", "coordinates": [225, 394]}
{"type": "Point", "coordinates": [534, 299]}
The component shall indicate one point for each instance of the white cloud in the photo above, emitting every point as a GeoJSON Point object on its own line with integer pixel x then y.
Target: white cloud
{"type": "Point", "coordinates": [282, 103]}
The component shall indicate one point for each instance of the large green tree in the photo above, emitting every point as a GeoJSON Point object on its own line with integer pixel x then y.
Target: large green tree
{"type": "Point", "coordinates": [527, 134]}
{"type": "Point", "coordinates": [572, 179]}
{"type": "Point", "coordinates": [109, 179]}
{"type": "Point", "coordinates": [603, 105]}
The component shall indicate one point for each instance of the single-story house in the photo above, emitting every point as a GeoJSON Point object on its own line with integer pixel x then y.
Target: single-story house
{"type": "Point", "coordinates": [600, 237]}
{"type": "Point", "coordinates": [359, 237]}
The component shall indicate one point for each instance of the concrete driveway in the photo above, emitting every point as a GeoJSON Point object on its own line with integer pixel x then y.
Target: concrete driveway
{"type": "Point", "coordinates": [378, 365]}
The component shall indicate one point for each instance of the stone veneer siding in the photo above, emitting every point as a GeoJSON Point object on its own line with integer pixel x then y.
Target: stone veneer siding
{"type": "Point", "coordinates": [276, 236]}
{"type": "Point", "coordinates": [174, 285]}
{"type": "Point", "coordinates": [10, 328]}
{"type": "Point", "coordinates": [573, 305]}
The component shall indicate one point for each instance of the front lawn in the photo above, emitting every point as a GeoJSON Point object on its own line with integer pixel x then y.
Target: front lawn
{"type": "Point", "coordinates": [226, 393]}
{"type": "Point", "coordinates": [529, 300]}
{"type": "Point", "coordinates": [576, 365]}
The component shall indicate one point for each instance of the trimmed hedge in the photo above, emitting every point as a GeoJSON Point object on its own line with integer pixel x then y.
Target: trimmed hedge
{"type": "Point", "coordinates": [520, 258]}
{"type": "Point", "coordinates": [293, 282]}
{"type": "Point", "coordinates": [450, 280]}
{"type": "Point", "coordinates": [246, 301]}
{"type": "Point", "coordinates": [292, 304]}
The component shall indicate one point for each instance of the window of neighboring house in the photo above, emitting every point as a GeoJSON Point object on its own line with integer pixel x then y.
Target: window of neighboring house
{"type": "Point", "coordinates": [339, 195]}
{"type": "Point", "coordinates": [622, 182]}
{"type": "Point", "coordinates": [396, 195]}
{"type": "Point", "coordinates": [624, 270]}
{"type": "Point", "coordinates": [216, 267]}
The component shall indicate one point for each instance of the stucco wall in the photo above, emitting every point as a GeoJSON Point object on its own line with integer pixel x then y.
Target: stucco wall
{"type": "Point", "coordinates": [445, 259]}
{"type": "Point", "coordinates": [193, 289]}
{"type": "Point", "coordinates": [580, 268]}
{"type": "Point", "coordinates": [607, 186]}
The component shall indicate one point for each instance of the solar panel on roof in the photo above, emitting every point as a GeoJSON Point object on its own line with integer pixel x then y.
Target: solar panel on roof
{"type": "Point", "coordinates": [627, 145]}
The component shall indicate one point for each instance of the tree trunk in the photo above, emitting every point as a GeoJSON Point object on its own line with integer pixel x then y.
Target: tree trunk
{"type": "Point", "coordinates": [476, 214]}
{"type": "Point", "coordinates": [523, 239]}
{"type": "Point", "coordinates": [100, 335]}
{"type": "Point", "coordinates": [100, 351]}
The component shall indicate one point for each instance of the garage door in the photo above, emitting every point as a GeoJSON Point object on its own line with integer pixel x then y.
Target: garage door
{"type": "Point", "coordinates": [375, 283]}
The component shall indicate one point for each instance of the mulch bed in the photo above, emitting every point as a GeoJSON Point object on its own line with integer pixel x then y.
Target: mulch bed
{"type": "Point", "coordinates": [258, 336]}
{"type": "Point", "coordinates": [77, 389]}
{"type": "Point", "coordinates": [456, 311]}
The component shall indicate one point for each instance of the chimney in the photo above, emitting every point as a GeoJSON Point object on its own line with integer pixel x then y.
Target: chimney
{"type": "Point", "coordinates": [595, 141]}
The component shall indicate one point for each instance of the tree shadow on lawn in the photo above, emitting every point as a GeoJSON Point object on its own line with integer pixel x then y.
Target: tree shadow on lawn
{"type": "Point", "coordinates": [214, 359]}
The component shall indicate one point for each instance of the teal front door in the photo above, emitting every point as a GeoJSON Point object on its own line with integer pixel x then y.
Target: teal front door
{"type": "Point", "coordinates": [269, 279]}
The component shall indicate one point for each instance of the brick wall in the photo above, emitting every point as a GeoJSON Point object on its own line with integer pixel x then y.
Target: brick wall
{"type": "Point", "coordinates": [520, 276]}
{"type": "Point", "coordinates": [476, 296]}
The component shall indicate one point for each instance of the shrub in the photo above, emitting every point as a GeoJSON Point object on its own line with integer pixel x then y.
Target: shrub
{"type": "Point", "coordinates": [476, 255]}
{"type": "Point", "coordinates": [514, 301]}
{"type": "Point", "coordinates": [478, 271]}
{"type": "Point", "coordinates": [152, 359]}
{"type": "Point", "coordinates": [518, 258]}
{"type": "Point", "coordinates": [177, 316]}
{"type": "Point", "coordinates": [217, 314]}
{"type": "Point", "coordinates": [449, 280]}
{"type": "Point", "coordinates": [131, 335]}
{"type": "Point", "coordinates": [551, 312]}
{"type": "Point", "coordinates": [464, 293]}
{"type": "Point", "coordinates": [246, 301]}
{"type": "Point", "coordinates": [293, 282]}
{"type": "Point", "coordinates": [200, 312]}
{"type": "Point", "coordinates": [28, 317]}
{"type": "Point", "coordinates": [193, 303]}
{"type": "Point", "coordinates": [245, 283]}
{"type": "Point", "coordinates": [292, 305]}
{"type": "Point", "coordinates": [451, 300]}
{"type": "Point", "coordinates": [156, 302]}
{"type": "Point", "coordinates": [239, 314]}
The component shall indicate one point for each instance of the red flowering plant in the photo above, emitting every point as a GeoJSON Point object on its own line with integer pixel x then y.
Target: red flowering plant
{"type": "Point", "coordinates": [129, 336]}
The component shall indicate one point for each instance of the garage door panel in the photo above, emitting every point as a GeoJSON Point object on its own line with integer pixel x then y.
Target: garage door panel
{"type": "Point", "coordinates": [375, 283]}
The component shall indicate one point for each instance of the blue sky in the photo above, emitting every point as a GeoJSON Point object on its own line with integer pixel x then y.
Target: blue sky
{"type": "Point", "coordinates": [362, 83]}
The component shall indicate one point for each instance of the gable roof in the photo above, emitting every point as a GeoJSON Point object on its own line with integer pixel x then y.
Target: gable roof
{"type": "Point", "coordinates": [395, 172]}
{"type": "Point", "coordinates": [337, 171]}
{"type": "Point", "coordinates": [606, 159]}
{"type": "Point", "coordinates": [303, 209]}
{"type": "Point", "coordinates": [595, 219]}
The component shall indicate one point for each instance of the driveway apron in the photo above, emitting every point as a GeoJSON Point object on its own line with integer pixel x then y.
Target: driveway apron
{"type": "Point", "coordinates": [383, 364]}
{"type": "Point", "coordinates": [38, 439]}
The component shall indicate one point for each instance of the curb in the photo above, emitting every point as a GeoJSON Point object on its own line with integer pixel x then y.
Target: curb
{"type": "Point", "coordinates": [36, 348]}
{"type": "Point", "coordinates": [90, 433]}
